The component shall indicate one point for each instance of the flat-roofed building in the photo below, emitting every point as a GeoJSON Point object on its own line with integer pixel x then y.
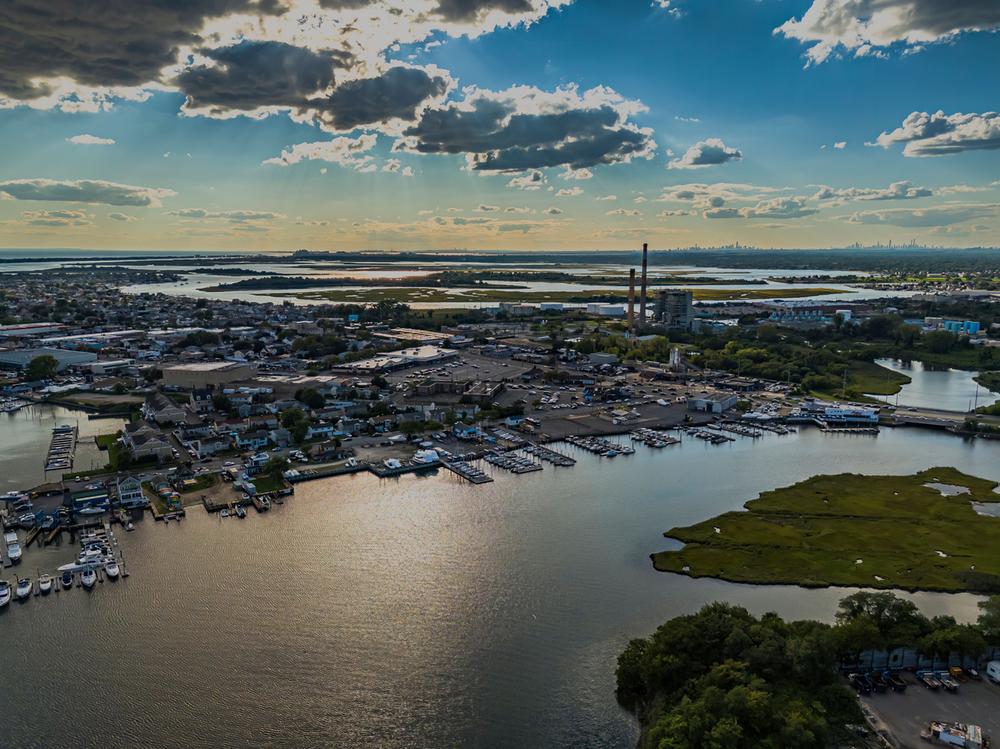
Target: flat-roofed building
{"type": "Point", "coordinates": [21, 358]}
{"type": "Point", "coordinates": [206, 374]}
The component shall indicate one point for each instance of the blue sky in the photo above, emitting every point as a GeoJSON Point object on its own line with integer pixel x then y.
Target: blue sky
{"type": "Point", "coordinates": [418, 124]}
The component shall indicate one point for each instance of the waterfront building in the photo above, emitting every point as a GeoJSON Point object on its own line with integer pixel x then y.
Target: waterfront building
{"type": "Point", "coordinates": [675, 308]}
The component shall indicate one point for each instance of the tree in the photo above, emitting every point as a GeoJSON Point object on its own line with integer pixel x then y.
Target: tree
{"type": "Point", "coordinates": [220, 402]}
{"type": "Point", "coordinates": [940, 341]}
{"type": "Point", "coordinates": [42, 367]}
{"type": "Point", "coordinates": [311, 398]}
{"type": "Point", "coordinates": [275, 467]}
{"type": "Point", "coordinates": [989, 619]}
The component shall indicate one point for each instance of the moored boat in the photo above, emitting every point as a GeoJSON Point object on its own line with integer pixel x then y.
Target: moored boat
{"type": "Point", "coordinates": [66, 579]}
{"type": "Point", "coordinates": [88, 577]}
{"type": "Point", "coordinates": [112, 570]}
{"type": "Point", "coordinates": [45, 583]}
{"type": "Point", "coordinates": [23, 588]}
{"type": "Point", "coordinates": [4, 593]}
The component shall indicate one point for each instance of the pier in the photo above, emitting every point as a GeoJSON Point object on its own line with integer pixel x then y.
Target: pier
{"type": "Point", "coordinates": [61, 448]}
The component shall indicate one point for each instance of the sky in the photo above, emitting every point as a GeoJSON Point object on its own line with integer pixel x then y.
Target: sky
{"type": "Point", "coordinates": [498, 124]}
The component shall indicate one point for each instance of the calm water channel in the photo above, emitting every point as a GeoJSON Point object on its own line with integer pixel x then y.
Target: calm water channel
{"type": "Point", "coordinates": [947, 389]}
{"type": "Point", "coordinates": [25, 437]}
{"type": "Point", "coordinates": [418, 612]}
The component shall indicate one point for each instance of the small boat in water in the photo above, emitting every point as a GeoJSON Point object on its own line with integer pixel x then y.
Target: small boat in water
{"type": "Point", "coordinates": [23, 588]}
{"type": "Point", "coordinates": [241, 511]}
{"type": "Point", "coordinates": [45, 583]}
{"type": "Point", "coordinates": [67, 580]}
{"type": "Point", "coordinates": [4, 593]}
{"type": "Point", "coordinates": [14, 551]}
{"type": "Point", "coordinates": [111, 568]}
{"type": "Point", "coordinates": [88, 578]}
{"type": "Point", "coordinates": [92, 511]}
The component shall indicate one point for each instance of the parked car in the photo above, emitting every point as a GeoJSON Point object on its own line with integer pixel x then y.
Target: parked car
{"type": "Point", "coordinates": [895, 682]}
{"type": "Point", "coordinates": [860, 683]}
{"type": "Point", "coordinates": [878, 683]}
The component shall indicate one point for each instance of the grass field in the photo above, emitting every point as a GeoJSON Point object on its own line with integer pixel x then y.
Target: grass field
{"type": "Point", "coordinates": [849, 529]}
{"type": "Point", "coordinates": [411, 295]}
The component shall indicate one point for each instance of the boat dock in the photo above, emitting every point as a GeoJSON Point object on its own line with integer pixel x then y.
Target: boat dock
{"type": "Point", "coordinates": [467, 471]}
{"type": "Point", "coordinates": [61, 448]}
{"type": "Point", "coordinates": [511, 462]}
{"type": "Point", "coordinates": [549, 456]}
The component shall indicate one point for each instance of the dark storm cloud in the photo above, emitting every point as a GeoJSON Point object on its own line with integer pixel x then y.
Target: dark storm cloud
{"type": "Point", "coordinates": [470, 10]}
{"type": "Point", "coordinates": [104, 43]}
{"type": "Point", "coordinates": [259, 74]}
{"type": "Point", "coordinates": [499, 138]}
{"type": "Point", "coordinates": [397, 93]}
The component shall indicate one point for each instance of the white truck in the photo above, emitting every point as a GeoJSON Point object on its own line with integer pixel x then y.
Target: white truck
{"type": "Point", "coordinates": [993, 671]}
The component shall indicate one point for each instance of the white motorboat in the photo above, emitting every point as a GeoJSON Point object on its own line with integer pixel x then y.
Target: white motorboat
{"type": "Point", "coordinates": [88, 577]}
{"type": "Point", "coordinates": [392, 464]}
{"type": "Point", "coordinates": [241, 512]}
{"type": "Point", "coordinates": [4, 593]}
{"type": "Point", "coordinates": [92, 511]}
{"type": "Point", "coordinates": [45, 583]}
{"type": "Point", "coordinates": [66, 579]}
{"type": "Point", "coordinates": [111, 568]}
{"type": "Point", "coordinates": [426, 457]}
{"type": "Point", "coordinates": [23, 588]}
{"type": "Point", "coordinates": [14, 551]}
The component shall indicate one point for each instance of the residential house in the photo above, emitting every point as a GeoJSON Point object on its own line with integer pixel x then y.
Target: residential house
{"type": "Point", "coordinates": [252, 440]}
{"type": "Point", "coordinates": [201, 400]}
{"type": "Point", "coordinates": [162, 410]}
{"type": "Point", "coordinates": [130, 492]}
{"type": "Point", "coordinates": [145, 443]}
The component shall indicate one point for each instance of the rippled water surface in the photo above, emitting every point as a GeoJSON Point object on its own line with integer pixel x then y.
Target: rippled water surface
{"type": "Point", "coordinates": [418, 612]}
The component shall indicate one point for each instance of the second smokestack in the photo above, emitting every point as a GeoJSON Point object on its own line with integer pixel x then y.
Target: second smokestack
{"type": "Point", "coordinates": [631, 301]}
{"type": "Point", "coordinates": [642, 286]}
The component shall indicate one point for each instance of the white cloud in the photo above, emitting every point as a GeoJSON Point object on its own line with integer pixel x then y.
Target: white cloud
{"type": "Point", "coordinates": [569, 192]}
{"type": "Point", "coordinates": [606, 197]}
{"type": "Point", "coordinates": [553, 211]}
{"type": "Point", "coordinates": [840, 145]}
{"type": "Point", "coordinates": [939, 134]}
{"type": "Point", "coordinates": [709, 152]}
{"type": "Point", "coordinates": [234, 217]}
{"type": "Point", "coordinates": [867, 27]}
{"type": "Point", "coordinates": [85, 139]}
{"type": "Point", "coordinates": [624, 212]}
{"type": "Point", "coordinates": [939, 215]}
{"type": "Point", "coordinates": [84, 191]}
{"type": "Point", "coordinates": [577, 174]}
{"type": "Point", "coordinates": [791, 207]}
{"type": "Point", "coordinates": [56, 219]}
{"type": "Point", "coordinates": [123, 217]}
{"type": "Point", "coordinates": [533, 180]}
{"type": "Point", "coordinates": [347, 152]}
{"type": "Point", "coordinates": [902, 190]}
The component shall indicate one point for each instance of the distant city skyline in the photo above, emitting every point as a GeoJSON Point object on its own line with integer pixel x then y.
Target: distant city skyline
{"type": "Point", "coordinates": [498, 124]}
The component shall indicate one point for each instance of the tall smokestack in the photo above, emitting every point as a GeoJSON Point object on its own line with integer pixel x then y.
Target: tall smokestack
{"type": "Point", "coordinates": [631, 301]}
{"type": "Point", "coordinates": [642, 292]}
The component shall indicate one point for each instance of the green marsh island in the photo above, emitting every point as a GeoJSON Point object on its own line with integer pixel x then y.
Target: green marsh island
{"type": "Point", "coordinates": [928, 531]}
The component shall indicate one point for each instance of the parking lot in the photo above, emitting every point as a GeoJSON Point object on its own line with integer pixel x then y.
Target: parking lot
{"type": "Point", "coordinates": [907, 714]}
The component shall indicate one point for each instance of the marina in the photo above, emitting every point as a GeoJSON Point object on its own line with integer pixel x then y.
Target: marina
{"type": "Point", "coordinates": [558, 559]}
{"type": "Point", "coordinates": [61, 448]}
